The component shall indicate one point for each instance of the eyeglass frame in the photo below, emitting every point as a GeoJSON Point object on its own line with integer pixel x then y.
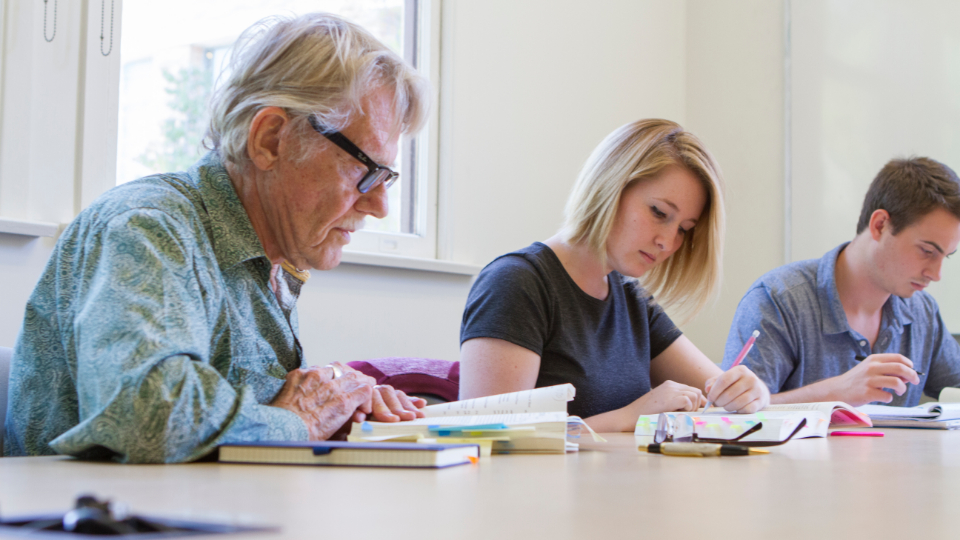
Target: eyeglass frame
{"type": "Point", "coordinates": [666, 428]}
{"type": "Point", "coordinates": [375, 173]}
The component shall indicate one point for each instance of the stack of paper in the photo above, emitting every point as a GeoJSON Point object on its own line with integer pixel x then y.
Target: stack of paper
{"type": "Point", "coordinates": [532, 422]}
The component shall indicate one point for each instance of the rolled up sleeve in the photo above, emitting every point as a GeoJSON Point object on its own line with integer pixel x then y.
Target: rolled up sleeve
{"type": "Point", "coordinates": [147, 391]}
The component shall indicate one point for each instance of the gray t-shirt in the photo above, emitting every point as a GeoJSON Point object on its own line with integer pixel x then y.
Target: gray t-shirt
{"type": "Point", "coordinates": [805, 337]}
{"type": "Point", "coordinates": [602, 347]}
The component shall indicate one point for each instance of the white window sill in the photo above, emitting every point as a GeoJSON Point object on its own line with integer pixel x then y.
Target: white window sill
{"type": "Point", "coordinates": [410, 263]}
{"type": "Point", "coordinates": [40, 228]}
{"type": "Point", "coordinates": [29, 228]}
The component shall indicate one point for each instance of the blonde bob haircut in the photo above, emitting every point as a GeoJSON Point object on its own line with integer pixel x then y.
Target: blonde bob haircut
{"type": "Point", "coordinates": [315, 64]}
{"type": "Point", "coordinates": [690, 278]}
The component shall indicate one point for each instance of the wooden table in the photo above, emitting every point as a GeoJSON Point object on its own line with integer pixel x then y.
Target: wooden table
{"type": "Point", "coordinates": [905, 485]}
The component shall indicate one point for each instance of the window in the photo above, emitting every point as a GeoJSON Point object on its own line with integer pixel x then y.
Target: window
{"type": "Point", "coordinates": [172, 53]}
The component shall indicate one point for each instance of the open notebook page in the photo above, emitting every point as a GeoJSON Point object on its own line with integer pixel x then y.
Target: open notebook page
{"type": "Point", "coordinates": [538, 400]}
{"type": "Point", "coordinates": [838, 412]}
{"type": "Point", "coordinates": [933, 411]}
{"type": "Point", "coordinates": [508, 419]}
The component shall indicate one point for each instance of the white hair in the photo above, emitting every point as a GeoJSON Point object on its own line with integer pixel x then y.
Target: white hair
{"type": "Point", "coordinates": [316, 64]}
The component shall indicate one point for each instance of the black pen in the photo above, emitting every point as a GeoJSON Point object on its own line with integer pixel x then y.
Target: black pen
{"type": "Point", "coordinates": [859, 358]}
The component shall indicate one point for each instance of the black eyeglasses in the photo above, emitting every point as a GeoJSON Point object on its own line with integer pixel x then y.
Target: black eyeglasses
{"type": "Point", "coordinates": [681, 428]}
{"type": "Point", "coordinates": [376, 174]}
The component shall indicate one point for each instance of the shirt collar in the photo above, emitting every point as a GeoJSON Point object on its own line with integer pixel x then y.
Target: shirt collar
{"type": "Point", "coordinates": [833, 320]}
{"type": "Point", "coordinates": [896, 313]}
{"type": "Point", "coordinates": [231, 232]}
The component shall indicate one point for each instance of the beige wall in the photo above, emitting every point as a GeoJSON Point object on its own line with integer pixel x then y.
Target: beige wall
{"type": "Point", "coordinates": [866, 90]}
{"type": "Point", "coordinates": [735, 104]}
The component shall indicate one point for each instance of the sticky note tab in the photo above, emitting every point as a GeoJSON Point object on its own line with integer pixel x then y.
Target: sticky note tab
{"type": "Point", "coordinates": [366, 427]}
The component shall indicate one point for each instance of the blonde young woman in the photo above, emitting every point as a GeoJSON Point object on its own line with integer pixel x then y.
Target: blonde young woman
{"type": "Point", "coordinates": [644, 221]}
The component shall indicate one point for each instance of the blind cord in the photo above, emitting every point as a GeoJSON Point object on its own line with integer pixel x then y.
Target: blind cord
{"type": "Point", "coordinates": [102, 13]}
{"type": "Point", "coordinates": [45, 2]}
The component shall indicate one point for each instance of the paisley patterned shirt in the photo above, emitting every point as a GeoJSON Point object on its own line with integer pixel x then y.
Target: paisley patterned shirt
{"type": "Point", "coordinates": [153, 334]}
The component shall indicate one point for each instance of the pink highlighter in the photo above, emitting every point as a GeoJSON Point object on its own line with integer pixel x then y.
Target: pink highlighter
{"type": "Point", "coordinates": [856, 434]}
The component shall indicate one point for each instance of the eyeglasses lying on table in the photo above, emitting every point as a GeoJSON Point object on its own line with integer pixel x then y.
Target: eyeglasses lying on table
{"type": "Point", "coordinates": [682, 428]}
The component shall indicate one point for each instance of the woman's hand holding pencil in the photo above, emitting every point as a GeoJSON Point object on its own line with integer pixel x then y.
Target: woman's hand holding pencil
{"type": "Point", "coordinates": [738, 389]}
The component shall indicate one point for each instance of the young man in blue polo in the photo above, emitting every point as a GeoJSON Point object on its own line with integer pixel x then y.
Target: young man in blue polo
{"type": "Point", "coordinates": [856, 325]}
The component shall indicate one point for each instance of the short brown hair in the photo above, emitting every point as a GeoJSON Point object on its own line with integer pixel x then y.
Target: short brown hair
{"type": "Point", "coordinates": [909, 189]}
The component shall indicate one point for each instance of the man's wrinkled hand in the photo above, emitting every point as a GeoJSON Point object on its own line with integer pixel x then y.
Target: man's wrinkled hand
{"type": "Point", "coordinates": [392, 405]}
{"type": "Point", "coordinates": [387, 404]}
{"type": "Point", "coordinates": [322, 402]}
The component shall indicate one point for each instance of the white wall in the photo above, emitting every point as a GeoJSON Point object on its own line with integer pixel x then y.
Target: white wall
{"type": "Point", "coordinates": [37, 149]}
{"type": "Point", "coordinates": [866, 90]}
{"type": "Point", "coordinates": [536, 85]}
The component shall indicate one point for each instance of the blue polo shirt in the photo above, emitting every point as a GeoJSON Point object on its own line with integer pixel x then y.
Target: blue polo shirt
{"type": "Point", "coordinates": [805, 338]}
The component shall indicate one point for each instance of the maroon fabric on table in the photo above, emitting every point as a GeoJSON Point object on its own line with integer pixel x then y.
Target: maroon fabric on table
{"type": "Point", "coordinates": [414, 375]}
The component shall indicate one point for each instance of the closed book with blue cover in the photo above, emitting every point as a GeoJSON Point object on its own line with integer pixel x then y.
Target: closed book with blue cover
{"type": "Point", "coordinates": [350, 454]}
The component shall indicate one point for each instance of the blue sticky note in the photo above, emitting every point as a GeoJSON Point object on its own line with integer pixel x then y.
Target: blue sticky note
{"type": "Point", "coordinates": [451, 430]}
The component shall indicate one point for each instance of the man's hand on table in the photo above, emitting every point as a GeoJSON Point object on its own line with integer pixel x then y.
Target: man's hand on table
{"type": "Point", "coordinates": [325, 404]}
{"type": "Point", "coordinates": [387, 404]}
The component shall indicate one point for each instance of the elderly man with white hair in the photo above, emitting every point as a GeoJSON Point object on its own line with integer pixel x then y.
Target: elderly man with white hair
{"type": "Point", "coordinates": [165, 322]}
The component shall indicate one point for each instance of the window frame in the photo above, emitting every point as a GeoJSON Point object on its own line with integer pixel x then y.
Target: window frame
{"type": "Point", "coordinates": [422, 244]}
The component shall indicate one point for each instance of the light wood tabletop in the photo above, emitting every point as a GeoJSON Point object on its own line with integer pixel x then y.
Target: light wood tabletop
{"type": "Point", "coordinates": [903, 485]}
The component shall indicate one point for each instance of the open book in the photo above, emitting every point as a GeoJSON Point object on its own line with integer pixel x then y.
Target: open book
{"type": "Point", "coordinates": [837, 413]}
{"type": "Point", "coordinates": [778, 421]}
{"type": "Point", "coordinates": [531, 421]}
{"type": "Point", "coordinates": [940, 415]}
